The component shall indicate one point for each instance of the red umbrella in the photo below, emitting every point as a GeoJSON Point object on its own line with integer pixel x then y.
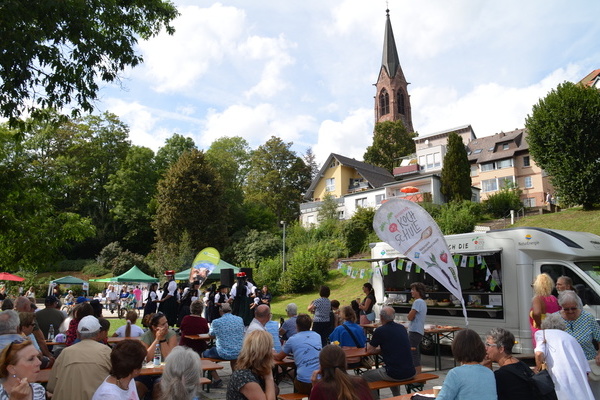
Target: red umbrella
{"type": "Point", "coordinates": [409, 189]}
{"type": "Point", "coordinates": [5, 276]}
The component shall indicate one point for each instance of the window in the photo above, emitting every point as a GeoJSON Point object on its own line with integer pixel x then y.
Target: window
{"type": "Point", "coordinates": [476, 151]}
{"type": "Point", "coordinates": [526, 161]}
{"type": "Point", "coordinates": [505, 181]}
{"type": "Point", "coordinates": [384, 102]}
{"type": "Point", "coordinates": [489, 185]}
{"type": "Point", "coordinates": [362, 202]}
{"type": "Point", "coordinates": [429, 161]}
{"type": "Point", "coordinates": [401, 102]}
{"type": "Point", "coordinates": [527, 182]}
{"type": "Point", "coordinates": [505, 146]}
{"type": "Point", "coordinates": [474, 170]}
{"type": "Point", "coordinates": [504, 163]}
{"type": "Point", "coordinates": [421, 162]}
{"type": "Point", "coordinates": [330, 184]}
{"type": "Point", "coordinates": [529, 202]}
{"type": "Point", "coordinates": [379, 198]}
{"type": "Point", "coordinates": [340, 214]}
{"type": "Point", "coordinates": [587, 294]}
{"type": "Point", "coordinates": [437, 160]}
{"type": "Point", "coordinates": [487, 167]}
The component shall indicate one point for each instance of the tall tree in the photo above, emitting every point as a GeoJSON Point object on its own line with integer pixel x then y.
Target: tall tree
{"type": "Point", "coordinates": [564, 140]}
{"type": "Point", "coordinates": [278, 178]}
{"type": "Point", "coordinates": [33, 231]}
{"type": "Point", "coordinates": [456, 172]}
{"type": "Point", "coordinates": [391, 141]}
{"type": "Point", "coordinates": [190, 200]}
{"type": "Point", "coordinates": [132, 189]}
{"type": "Point", "coordinates": [230, 156]}
{"type": "Point", "coordinates": [56, 53]}
{"type": "Point", "coordinates": [311, 161]}
{"type": "Point", "coordinates": [174, 147]}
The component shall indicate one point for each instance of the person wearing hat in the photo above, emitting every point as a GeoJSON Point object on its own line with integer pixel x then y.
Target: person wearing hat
{"type": "Point", "coordinates": [69, 298]}
{"type": "Point", "coordinates": [221, 298]}
{"type": "Point", "coordinates": [241, 293]}
{"type": "Point", "coordinates": [190, 294]}
{"type": "Point", "coordinates": [82, 367]}
{"type": "Point", "coordinates": [168, 302]}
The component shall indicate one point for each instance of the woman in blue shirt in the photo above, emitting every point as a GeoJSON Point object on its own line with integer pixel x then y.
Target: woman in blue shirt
{"type": "Point", "coordinates": [470, 381]}
{"type": "Point", "coordinates": [349, 334]}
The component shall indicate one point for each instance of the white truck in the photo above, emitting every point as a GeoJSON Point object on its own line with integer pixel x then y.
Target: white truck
{"type": "Point", "coordinates": [496, 271]}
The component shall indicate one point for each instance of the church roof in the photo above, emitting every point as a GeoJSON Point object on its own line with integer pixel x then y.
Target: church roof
{"type": "Point", "coordinates": [390, 60]}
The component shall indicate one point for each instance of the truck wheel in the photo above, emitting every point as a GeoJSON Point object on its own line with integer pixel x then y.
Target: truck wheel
{"type": "Point", "coordinates": [427, 345]}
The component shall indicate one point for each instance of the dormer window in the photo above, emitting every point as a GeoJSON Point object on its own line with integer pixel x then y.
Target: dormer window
{"type": "Point", "coordinates": [505, 146]}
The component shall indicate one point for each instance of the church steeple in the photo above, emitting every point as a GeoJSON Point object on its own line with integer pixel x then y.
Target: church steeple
{"type": "Point", "coordinates": [392, 102]}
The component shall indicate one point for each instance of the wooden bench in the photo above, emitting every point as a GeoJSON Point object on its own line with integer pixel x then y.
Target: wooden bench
{"type": "Point", "coordinates": [292, 396]}
{"type": "Point", "coordinates": [419, 378]}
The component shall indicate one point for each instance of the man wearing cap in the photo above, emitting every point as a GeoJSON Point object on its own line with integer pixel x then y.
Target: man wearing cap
{"type": "Point", "coordinates": [288, 328]}
{"type": "Point", "coordinates": [82, 367]}
{"type": "Point", "coordinates": [229, 333]}
{"type": "Point", "coordinates": [168, 303]}
{"type": "Point", "coordinates": [50, 315]}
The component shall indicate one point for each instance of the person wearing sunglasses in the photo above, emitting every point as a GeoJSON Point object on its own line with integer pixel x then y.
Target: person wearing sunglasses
{"type": "Point", "coordinates": [19, 367]}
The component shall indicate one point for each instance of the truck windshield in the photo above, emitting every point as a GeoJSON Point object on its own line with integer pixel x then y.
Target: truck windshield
{"type": "Point", "coordinates": [591, 268]}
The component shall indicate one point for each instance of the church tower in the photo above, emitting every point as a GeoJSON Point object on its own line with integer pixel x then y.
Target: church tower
{"type": "Point", "coordinates": [392, 102]}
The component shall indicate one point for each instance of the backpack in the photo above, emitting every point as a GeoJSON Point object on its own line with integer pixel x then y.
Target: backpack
{"type": "Point", "coordinates": [541, 384]}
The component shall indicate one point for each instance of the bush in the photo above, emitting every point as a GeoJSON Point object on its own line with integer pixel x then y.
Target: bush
{"type": "Point", "coordinates": [458, 217]}
{"type": "Point", "coordinates": [69, 265]}
{"type": "Point", "coordinates": [500, 204]}
{"type": "Point", "coordinates": [95, 269]}
{"type": "Point", "coordinates": [306, 269]}
{"type": "Point", "coordinates": [269, 274]}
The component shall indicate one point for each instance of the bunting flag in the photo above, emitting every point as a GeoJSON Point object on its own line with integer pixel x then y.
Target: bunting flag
{"type": "Point", "coordinates": [409, 266]}
{"type": "Point", "coordinates": [369, 273]}
{"type": "Point", "coordinates": [349, 271]}
{"type": "Point", "coordinates": [479, 260]}
{"type": "Point", "coordinates": [362, 274]}
{"type": "Point", "coordinates": [410, 230]}
{"type": "Point", "coordinates": [401, 264]}
{"type": "Point", "coordinates": [393, 264]}
{"type": "Point", "coordinates": [483, 263]}
{"type": "Point", "coordinates": [385, 269]}
{"type": "Point", "coordinates": [340, 265]}
{"type": "Point", "coordinates": [493, 284]}
{"type": "Point", "coordinates": [471, 262]}
{"type": "Point", "coordinates": [463, 262]}
{"type": "Point", "coordinates": [488, 274]}
{"type": "Point", "coordinates": [456, 259]}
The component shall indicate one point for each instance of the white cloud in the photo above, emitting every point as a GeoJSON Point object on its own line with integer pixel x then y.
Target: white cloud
{"type": "Point", "coordinates": [349, 137]}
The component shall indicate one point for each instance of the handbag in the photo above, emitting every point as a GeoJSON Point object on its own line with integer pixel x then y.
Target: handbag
{"type": "Point", "coordinates": [542, 381]}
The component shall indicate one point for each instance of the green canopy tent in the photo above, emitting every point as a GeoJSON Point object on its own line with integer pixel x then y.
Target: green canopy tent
{"type": "Point", "coordinates": [134, 275]}
{"type": "Point", "coordinates": [216, 274]}
{"type": "Point", "coordinates": [67, 281]}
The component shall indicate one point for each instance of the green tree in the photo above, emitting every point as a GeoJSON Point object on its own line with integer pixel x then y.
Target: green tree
{"type": "Point", "coordinates": [391, 141]}
{"type": "Point", "coordinates": [507, 198]}
{"type": "Point", "coordinates": [564, 140]}
{"type": "Point", "coordinates": [56, 53]}
{"type": "Point", "coordinates": [132, 189]}
{"type": "Point", "coordinates": [278, 178]}
{"type": "Point", "coordinates": [311, 160]}
{"type": "Point", "coordinates": [190, 200]}
{"type": "Point", "coordinates": [174, 147]}
{"type": "Point", "coordinates": [456, 172]}
{"type": "Point", "coordinates": [231, 158]}
{"type": "Point", "coordinates": [328, 209]}
{"type": "Point", "coordinates": [256, 247]}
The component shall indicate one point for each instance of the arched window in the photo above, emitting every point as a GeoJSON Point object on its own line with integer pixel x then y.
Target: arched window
{"type": "Point", "coordinates": [401, 102]}
{"type": "Point", "coordinates": [384, 102]}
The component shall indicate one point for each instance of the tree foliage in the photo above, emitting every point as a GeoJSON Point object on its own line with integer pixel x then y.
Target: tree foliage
{"type": "Point", "coordinates": [256, 247]}
{"type": "Point", "coordinates": [190, 200]}
{"type": "Point", "coordinates": [391, 141]}
{"type": "Point", "coordinates": [328, 209]}
{"type": "Point", "coordinates": [174, 147]}
{"type": "Point", "coordinates": [55, 53]}
{"type": "Point", "coordinates": [278, 178]}
{"type": "Point", "coordinates": [500, 203]}
{"type": "Point", "coordinates": [564, 140]}
{"type": "Point", "coordinates": [456, 172]}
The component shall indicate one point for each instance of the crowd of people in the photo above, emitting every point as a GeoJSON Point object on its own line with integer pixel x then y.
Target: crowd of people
{"type": "Point", "coordinates": [240, 321]}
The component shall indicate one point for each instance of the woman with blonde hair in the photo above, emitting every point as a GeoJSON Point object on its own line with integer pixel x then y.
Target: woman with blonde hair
{"type": "Point", "coordinates": [253, 377]}
{"type": "Point", "coordinates": [19, 368]}
{"type": "Point", "coordinates": [543, 303]}
{"type": "Point", "coordinates": [335, 383]}
{"type": "Point", "coordinates": [181, 375]}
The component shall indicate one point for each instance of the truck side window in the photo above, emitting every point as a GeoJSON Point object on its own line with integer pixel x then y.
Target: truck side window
{"type": "Point", "coordinates": [587, 295]}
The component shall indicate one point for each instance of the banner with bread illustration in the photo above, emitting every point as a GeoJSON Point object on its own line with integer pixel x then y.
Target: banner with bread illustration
{"type": "Point", "coordinates": [409, 229]}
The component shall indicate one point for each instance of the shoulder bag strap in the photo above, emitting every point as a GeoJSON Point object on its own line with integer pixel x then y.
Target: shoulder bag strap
{"type": "Point", "coordinates": [353, 337]}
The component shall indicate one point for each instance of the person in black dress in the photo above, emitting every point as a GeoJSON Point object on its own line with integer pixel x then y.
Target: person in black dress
{"type": "Point", "coordinates": [168, 302]}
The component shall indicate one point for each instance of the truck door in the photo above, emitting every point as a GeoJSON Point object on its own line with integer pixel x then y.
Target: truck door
{"type": "Point", "coordinates": [585, 281]}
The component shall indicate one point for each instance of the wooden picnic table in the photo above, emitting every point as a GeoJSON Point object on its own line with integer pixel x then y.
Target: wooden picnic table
{"type": "Point", "coordinates": [283, 368]}
{"type": "Point", "coordinates": [200, 336]}
{"type": "Point", "coordinates": [409, 395]}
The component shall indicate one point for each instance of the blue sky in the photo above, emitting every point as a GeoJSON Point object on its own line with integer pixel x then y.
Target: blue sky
{"type": "Point", "coordinates": [304, 70]}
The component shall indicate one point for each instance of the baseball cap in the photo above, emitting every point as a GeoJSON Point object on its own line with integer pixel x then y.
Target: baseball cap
{"type": "Point", "coordinates": [81, 299]}
{"type": "Point", "coordinates": [88, 324]}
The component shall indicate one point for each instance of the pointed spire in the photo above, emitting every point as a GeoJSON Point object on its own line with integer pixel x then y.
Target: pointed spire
{"type": "Point", "coordinates": [390, 59]}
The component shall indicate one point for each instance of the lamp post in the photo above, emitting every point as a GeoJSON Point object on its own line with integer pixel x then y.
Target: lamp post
{"type": "Point", "coordinates": [283, 258]}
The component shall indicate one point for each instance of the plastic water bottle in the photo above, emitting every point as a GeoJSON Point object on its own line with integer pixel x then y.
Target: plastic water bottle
{"type": "Point", "coordinates": [51, 333]}
{"type": "Point", "coordinates": [157, 355]}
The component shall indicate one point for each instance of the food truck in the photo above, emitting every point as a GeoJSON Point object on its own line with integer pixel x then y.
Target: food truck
{"type": "Point", "coordinates": [496, 270]}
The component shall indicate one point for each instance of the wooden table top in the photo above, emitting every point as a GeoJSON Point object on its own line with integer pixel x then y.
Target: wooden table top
{"type": "Point", "coordinates": [409, 395]}
{"type": "Point", "coordinates": [117, 339]}
{"type": "Point", "coordinates": [200, 336]}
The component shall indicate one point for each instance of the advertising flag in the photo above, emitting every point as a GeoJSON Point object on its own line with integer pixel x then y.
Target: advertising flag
{"type": "Point", "coordinates": [409, 229]}
{"type": "Point", "coordinates": [205, 262]}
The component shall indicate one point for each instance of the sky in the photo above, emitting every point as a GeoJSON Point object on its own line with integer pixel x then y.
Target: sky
{"type": "Point", "coordinates": [304, 70]}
